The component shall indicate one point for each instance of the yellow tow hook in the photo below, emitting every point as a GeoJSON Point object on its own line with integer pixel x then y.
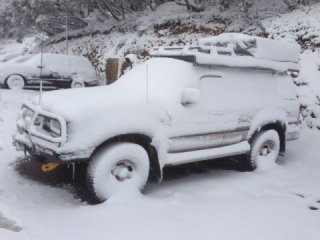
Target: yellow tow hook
{"type": "Point", "coordinates": [48, 167]}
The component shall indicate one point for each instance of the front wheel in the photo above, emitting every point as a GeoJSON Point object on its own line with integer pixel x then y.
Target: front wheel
{"type": "Point", "coordinates": [15, 82]}
{"type": "Point", "coordinates": [265, 149]}
{"type": "Point", "coordinates": [116, 167]}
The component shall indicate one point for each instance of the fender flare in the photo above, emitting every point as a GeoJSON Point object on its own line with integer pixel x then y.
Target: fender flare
{"type": "Point", "coordinates": [144, 141]}
{"type": "Point", "coordinates": [268, 119]}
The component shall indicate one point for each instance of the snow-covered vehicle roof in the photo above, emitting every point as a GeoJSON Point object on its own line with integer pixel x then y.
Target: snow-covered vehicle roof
{"type": "Point", "coordinates": [238, 50]}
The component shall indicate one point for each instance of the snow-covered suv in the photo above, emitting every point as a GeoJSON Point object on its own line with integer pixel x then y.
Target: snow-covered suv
{"type": "Point", "coordinates": [230, 95]}
{"type": "Point", "coordinates": [55, 70]}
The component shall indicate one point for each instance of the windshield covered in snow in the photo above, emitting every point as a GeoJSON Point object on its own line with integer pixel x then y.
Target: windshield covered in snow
{"type": "Point", "coordinates": [161, 78]}
{"type": "Point", "coordinates": [32, 60]}
{"type": "Point", "coordinates": [22, 59]}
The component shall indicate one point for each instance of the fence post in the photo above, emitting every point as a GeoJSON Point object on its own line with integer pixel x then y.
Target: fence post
{"type": "Point", "coordinates": [112, 70]}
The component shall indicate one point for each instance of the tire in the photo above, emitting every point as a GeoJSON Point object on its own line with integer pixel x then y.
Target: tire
{"type": "Point", "coordinates": [15, 82]}
{"type": "Point", "coordinates": [265, 149]}
{"type": "Point", "coordinates": [116, 167]}
{"type": "Point", "coordinates": [77, 84]}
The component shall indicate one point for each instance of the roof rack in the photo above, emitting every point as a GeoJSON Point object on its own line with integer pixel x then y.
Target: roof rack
{"type": "Point", "coordinates": [237, 51]}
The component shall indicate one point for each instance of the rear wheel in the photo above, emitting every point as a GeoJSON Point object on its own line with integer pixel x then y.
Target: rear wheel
{"type": "Point", "coordinates": [15, 82]}
{"type": "Point", "coordinates": [77, 84]}
{"type": "Point", "coordinates": [265, 149]}
{"type": "Point", "coordinates": [116, 167]}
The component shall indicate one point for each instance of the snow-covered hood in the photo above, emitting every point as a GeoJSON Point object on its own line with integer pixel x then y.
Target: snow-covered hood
{"type": "Point", "coordinates": [74, 103]}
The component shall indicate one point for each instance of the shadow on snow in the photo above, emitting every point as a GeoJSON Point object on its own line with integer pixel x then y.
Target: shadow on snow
{"type": "Point", "coordinates": [62, 176]}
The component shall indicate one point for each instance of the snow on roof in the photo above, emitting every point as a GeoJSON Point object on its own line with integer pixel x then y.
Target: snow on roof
{"type": "Point", "coordinates": [244, 62]}
{"type": "Point", "coordinates": [238, 50]}
{"type": "Point", "coordinates": [258, 47]}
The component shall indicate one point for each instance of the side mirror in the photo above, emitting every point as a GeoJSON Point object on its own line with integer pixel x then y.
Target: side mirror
{"type": "Point", "coordinates": [190, 96]}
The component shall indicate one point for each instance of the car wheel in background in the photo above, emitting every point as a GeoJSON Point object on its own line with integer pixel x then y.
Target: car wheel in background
{"type": "Point", "coordinates": [265, 149]}
{"type": "Point", "coordinates": [116, 167]}
{"type": "Point", "coordinates": [15, 82]}
{"type": "Point", "coordinates": [77, 84]}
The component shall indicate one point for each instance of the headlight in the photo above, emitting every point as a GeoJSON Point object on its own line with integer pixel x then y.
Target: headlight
{"type": "Point", "coordinates": [24, 119]}
{"type": "Point", "coordinates": [48, 125]}
{"type": "Point", "coordinates": [27, 112]}
{"type": "Point", "coordinates": [55, 127]}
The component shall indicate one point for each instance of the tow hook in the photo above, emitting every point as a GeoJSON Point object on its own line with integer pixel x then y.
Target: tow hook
{"type": "Point", "coordinates": [48, 167]}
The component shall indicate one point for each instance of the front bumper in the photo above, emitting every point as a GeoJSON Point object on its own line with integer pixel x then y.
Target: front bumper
{"type": "Point", "coordinates": [37, 152]}
{"type": "Point", "coordinates": [43, 154]}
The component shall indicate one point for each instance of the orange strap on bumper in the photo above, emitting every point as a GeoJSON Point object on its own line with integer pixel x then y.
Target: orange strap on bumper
{"type": "Point", "coordinates": [48, 167]}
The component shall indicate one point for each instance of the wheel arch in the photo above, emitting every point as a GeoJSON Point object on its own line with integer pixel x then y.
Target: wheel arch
{"type": "Point", "coordinates": [142, 140]}
{"type": "Point", "coordinates": [278, 126]}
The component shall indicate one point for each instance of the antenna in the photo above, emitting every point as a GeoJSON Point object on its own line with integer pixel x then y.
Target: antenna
{"type": "Point", "coordinates": [147, 82]}
{"type": "Point", "coordinates": [41, 68]}
{"type": "Point", "coordinates": [67, 39]}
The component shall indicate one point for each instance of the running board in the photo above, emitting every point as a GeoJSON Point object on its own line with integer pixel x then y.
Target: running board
{"type": "Point", "coordinates": [212, 153]}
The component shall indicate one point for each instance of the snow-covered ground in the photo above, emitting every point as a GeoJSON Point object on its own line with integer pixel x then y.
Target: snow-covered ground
{"type": "Point", "coordinates": [194, 202]}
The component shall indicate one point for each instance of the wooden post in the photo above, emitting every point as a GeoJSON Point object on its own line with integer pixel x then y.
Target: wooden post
{"type": "Point", "coordinates": [112, 69]}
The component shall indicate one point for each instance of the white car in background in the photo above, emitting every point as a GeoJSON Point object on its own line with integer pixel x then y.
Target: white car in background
{"type": "Point", "coordinates": [56, 70]}
{"type": "Point", "coordinates": [228, 96]}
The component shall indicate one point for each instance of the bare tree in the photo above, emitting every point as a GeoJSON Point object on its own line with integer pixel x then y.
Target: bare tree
{"type": "Point", "coordinates": [224, 4]}
{"type": "Point", "coordinates": [191, 5]}
{"type": "Point", "coordinates": [246, 5]}
{"type": "Point", "coordinates": [293, 4]}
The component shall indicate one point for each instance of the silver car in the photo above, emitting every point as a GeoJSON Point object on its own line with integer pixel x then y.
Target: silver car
{"type": "Point", "coordinates": [54, 70]}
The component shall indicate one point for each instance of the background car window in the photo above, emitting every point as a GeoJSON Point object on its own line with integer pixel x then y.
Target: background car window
{"type": "Point", "coordinates": [22, 60]}
{"type": "Point", "coordinates": [34, 61]}
{"type": "Point", "coordinates": [57, 64]}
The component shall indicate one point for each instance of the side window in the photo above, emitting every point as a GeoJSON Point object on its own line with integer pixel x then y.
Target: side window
{"type": "Point", "coordinates": [57, 64]}
{"type": "Point", "coordinates": [233, 90]}
{"type": "Point", "coordinates": [49, 63]}
{"type": "Point", "coordinates": [212, 91]}
{"type": "Point", "coordinates": [285, 87]}
{"type": "Point", "coordinates": [46, 61]}
{"type": "Point", "coordinates": [76, 65]}
{"type": "Point", "coordinates": [34, 61]}
{"type": "Point", "coordinates": [209, 86]}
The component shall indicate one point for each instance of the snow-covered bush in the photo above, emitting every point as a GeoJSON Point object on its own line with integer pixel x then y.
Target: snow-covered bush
{"type": "Point", "coordinates": [308, 89]}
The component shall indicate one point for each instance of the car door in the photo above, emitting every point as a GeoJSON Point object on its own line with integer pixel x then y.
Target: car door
{"type": "Point", "coordinates": [52, 67]}
{"type": "Point", "coordinates": [209, 122]}
{"type": "Point", "coordinates": [37, 67]}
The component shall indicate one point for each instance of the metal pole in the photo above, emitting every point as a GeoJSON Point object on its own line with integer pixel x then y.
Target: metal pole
{"type": "Point", "coordinates": [67, 40]}
{"type": "Point", "coordinates": [41, 67]}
